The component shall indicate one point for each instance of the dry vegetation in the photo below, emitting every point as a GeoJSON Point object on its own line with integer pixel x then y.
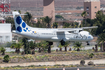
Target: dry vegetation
{"type": "Point", "coordinates": [54, 56]}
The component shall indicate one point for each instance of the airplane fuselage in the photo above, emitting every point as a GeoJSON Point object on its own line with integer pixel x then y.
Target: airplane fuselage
{"type": "Point", "coordinates": [50, 34]}
{"type": "Point", "coordinates": [54, 36]}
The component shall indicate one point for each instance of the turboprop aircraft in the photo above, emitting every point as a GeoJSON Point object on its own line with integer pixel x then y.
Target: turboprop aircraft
{"type": "Point", "coordinates": [50, 34]}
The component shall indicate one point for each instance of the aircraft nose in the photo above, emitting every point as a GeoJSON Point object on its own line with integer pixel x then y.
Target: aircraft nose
{"type": "Point", "coordinates": [90, 37]}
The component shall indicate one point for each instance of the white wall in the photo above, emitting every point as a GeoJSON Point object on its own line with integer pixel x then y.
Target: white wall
{"type": "Point", "coordinates": [5, 33]}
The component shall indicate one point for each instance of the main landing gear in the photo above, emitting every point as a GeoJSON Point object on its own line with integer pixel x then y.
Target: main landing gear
{"type": "Point", "coordinates": [62, 42]}
{"type": "Point", "coordinates": [50, 43]}
{"type": "Point", "coordinates": [49, 48]}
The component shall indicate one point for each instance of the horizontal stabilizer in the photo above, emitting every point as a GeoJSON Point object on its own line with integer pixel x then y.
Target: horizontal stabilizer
{"type": "Point", "coordinates": [11, 14]}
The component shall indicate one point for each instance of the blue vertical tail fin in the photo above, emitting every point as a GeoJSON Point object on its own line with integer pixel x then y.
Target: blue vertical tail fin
{"type": "Point", "coordinates": [20, 25]}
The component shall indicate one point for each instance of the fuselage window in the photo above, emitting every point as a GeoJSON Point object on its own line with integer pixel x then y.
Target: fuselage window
{"type": "Point", "coordinates": [60, 33]}
{"type": "Point", "coordinates": [80, 30]}
{"type": "Point", "coordinates": [71, 31]}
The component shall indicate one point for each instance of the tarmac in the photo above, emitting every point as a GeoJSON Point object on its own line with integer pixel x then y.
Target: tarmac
{"type": "Point", "coordinates": [75, 62]}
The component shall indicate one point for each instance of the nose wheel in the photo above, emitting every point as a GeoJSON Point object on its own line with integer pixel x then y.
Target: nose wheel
{"type": "Point", "coordinates": [88, 43]}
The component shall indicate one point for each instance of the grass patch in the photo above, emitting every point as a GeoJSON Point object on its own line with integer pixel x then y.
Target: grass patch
{"type": "Point", "coordinates": [1, 58]}
{"type": "Point", "coordinates": [103, 53]}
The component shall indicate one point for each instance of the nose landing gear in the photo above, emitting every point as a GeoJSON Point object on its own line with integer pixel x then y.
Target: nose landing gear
{"type": "Point", "coordinates": [88, 43]}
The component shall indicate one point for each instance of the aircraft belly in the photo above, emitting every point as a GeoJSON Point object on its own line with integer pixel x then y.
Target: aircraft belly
{"type": "Point", "coordinates": [55, 39]}
{"type": "Point", "coordinates": [44, 37]}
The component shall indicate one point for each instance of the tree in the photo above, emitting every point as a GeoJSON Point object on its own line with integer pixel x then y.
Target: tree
{"type": "Point", "coordinates": [43, 46]}
{"type": "Point", "coordinates": [19, 11]}
{"type": "Point", "coordinates": [77, 46]}
{"type": "Point", "coordinates": [66, 25]}
{"type": "Point", "coordinates": [2, 49]}
{"type": "Point", "coordinates": [38, 24]}
{"type": "Point", "coordinates": [100, 22]}
{"type": "Point", "coordinates": [84, 14]}
{"type": "Point", "coordinates": [24, 40]}
{"type": "Point", "coordinates": [60, 46]}
{"type": "Point", "coordinates": [41, 23]}
{"type": "Point", "coordinates": [32, 46]}
{"type": "Point", "coordinates": [101, 40]}
{"type": "Point", "coordinates": [26, 46]}
{"type": "Point", "coordinates": [58, 16]}
{"type": "Point", "coordinates": [89, 22]}
{"type": "Point", "coordinates": [55, 25]}
{"type": "Point", "coordinates": [76, 25]}
{"type": "Point", "coordinates": [100, 31]}
{"type": "Point", "coordinates": [11, 20]}
{"type": "Point", "coordinates": [91, 55]}
{"type": "Point", "coordinates": [66, 45]}
{"type": "Point", "coordinates": [17, 46]}
{"type": "Point", "coordinates": [6, 58]}
{"type": "Point", "coordinates": [39, 46]}
{"type": "Point", "coordinates": [48, 21]}
{"type": "Point", "coordinates": [27, 18]}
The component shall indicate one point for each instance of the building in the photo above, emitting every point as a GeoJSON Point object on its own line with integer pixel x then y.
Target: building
{"type": "Point", "coordinates": [49, 9]}
{"type": "Point", "coordinates": [91, 7]}
{"type": "Point", "coordinates": [5, 33]}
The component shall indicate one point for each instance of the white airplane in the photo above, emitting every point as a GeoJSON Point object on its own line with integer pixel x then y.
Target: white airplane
{"type": "Point", "coordinates": [51, 34]}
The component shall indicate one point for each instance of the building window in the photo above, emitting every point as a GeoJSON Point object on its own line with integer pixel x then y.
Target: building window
{"type": "Point", "coordinates": [87, 8]}
{"type": "Point", "coordinates": [95, 6]}
{"type": "Point", "coordinates": [87, 13]}
{"type": "Point", "coordinates": [7, 39]}
{"type": "Point", "coordinates": [1, 39]}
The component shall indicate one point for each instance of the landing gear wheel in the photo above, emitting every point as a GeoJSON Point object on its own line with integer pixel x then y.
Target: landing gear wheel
{"type": "Point", "coordinates": [50, 43]}
{"type": "Point", "coordinates": [88, 43]}
{"type": "Point", "coordinates": [49, 48]}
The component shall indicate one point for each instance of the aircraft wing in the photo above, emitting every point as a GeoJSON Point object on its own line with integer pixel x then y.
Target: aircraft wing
{"type": "Point", "coordinates": [75, 29]}
{"type": "Point", "coordinates": [90, 27]}
{"type": "Point", "coordinates": [68, 29]}
{"type": "Point", "coordinates": [64, 30]}
{"type": "Point", "coordinates": [11, 14]}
